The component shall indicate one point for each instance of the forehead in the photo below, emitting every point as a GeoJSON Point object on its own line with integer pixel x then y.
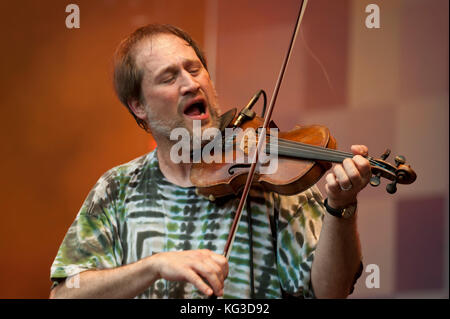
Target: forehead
{"type": "Point", "coordinates": [162, 50]}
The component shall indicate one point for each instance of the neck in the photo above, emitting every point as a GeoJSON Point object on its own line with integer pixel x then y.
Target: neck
{"type": "Point", "coordinates": [178, 174]}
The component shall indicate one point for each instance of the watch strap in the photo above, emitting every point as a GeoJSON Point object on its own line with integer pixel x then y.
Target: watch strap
{"type": "Point", "coordinates": [333, 211]}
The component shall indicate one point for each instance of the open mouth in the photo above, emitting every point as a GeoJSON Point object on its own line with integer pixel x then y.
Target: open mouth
{"type": "Point", "coordinates": [196, 110]}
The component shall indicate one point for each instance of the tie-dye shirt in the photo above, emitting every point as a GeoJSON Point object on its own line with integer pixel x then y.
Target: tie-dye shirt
{"type": "Point", "coordinates": [134, 211]}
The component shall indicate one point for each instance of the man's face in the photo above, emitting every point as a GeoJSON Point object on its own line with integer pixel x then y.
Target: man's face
{"type": "Point", "coordinates": [176, 87]}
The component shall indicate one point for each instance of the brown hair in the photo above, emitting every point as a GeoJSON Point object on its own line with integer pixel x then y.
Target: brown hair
{"type": "Point", "coordinates": [127, 76]}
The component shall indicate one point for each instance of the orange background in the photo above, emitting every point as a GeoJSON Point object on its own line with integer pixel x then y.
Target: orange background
{"type": "Point", "coordinates": [62, 126]}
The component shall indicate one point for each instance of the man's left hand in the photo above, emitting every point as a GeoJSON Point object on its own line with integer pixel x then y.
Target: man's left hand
{"type": "Point", "coordinates": [347, 179]}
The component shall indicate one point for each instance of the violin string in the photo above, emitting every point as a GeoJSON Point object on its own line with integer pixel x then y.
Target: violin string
{"type": "Point", "coordinates": [312, 150]}
{"type": "Point", "coordinates": [295, 149]}
{"type": "Point", "coordinates": [306, 146]}
{"type": "Point", "coordinates": [295, 143]}
{"type": "Point", "coordinates": [312, 147]}
{"type": "Point", "coordinates": [309, 154]}
{"type": "Point", "coordinates": [318, 149]}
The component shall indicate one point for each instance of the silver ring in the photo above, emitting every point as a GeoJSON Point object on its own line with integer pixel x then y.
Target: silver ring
{"type": "Point", "coordinates": [346, 189]}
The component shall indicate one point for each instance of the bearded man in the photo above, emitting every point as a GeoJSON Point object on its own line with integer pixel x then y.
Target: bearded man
{"type": "Point", "coordinates": [143, 232]}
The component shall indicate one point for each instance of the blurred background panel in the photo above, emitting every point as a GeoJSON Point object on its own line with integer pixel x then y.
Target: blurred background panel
{"type": "Point", "coordinates": [63, 127]}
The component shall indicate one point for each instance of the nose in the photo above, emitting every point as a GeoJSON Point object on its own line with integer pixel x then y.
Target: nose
{"type": "Point", "coordinates": [189, 83]}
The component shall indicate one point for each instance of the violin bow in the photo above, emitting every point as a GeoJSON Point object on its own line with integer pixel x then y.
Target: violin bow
{"type": "Point", "coordinates": [246, 190]}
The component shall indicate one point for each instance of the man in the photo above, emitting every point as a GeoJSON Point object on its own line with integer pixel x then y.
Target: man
{"type": "Point", "coordinates": [143, 232]}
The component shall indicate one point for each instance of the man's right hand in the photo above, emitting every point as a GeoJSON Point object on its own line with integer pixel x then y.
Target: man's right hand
{"type": "Point", "coordinates": [193, 266]}
{"type": "Point", "coordinates": [128, 281]}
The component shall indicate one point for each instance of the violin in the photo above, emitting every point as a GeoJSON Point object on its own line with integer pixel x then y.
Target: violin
{"type": "Point", "coordinates": [304, 154]}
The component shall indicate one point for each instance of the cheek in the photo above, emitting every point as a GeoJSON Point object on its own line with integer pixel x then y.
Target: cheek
{"type": "Point", "coordinates": [163, 102]}
{"type": "Point", "coordinates": [210, 92]}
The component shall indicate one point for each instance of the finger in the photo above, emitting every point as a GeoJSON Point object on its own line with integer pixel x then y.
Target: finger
{"type": "Point", "coordinates": [215, 268]}
{"type": "Point", "coordinates": [363, 166]}
{"type": "Point", "coordinates": [222, 262]}
{"type": "Point", "coordinates": [332, 184]}
{"type": "Point", "coordinates": [219, 262]}
{"type": "Point", "coordinates": [352, 172]}
{"type": "Point", "coordinates": [198, 282]}
{"type": "Point", "coordinates": [360, 150]}
{"type": "Point", "coordinates": [342, 178]}
{"type": "Point", "coordinates": [211, 276]}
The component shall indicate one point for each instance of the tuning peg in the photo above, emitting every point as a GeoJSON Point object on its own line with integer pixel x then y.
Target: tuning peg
{"type": "Point", "coordinates": [400, 160]}
{"type": "Point", "coordinates": [375, 180]}
{"type": "Point", "coordinates": [386, 153]}
{"type": "Point", "coordinates": [392, 187]}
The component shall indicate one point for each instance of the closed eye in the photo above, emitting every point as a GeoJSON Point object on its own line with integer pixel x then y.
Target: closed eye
{"type": "Point", "coordinates": [194, 71]}
{"type": "Point", "coordinates": [168, 79]}
{"type": "Point", "coordinates": [167, 75]}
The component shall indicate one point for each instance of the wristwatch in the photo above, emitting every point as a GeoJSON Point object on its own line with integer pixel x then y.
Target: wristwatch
{"type": "Point", "coordinates": [345, 213]}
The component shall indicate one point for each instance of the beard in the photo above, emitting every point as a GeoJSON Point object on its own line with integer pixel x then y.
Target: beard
{"type": "Point", "coordinates": [163, 128]}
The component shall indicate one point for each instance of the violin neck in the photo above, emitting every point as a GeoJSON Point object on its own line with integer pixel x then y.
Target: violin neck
{"type": "Point", "coordinates": [305, 151]}
{"type": "Point", "coordinates": [310, 156]}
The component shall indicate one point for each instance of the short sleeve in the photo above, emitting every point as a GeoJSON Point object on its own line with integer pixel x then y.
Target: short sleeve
{"type": "Point", "coordinates": [92, 240]}
{"type": "Point", "coordinates": [299, 225]}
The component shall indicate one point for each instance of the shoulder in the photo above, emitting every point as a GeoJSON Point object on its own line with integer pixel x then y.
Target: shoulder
{"type": "Point", "coordinates": [132, 167]}
{"type": "Point", "coordinates": [125, 173]}
{"type": "Point", "coordinates": [116, 181]}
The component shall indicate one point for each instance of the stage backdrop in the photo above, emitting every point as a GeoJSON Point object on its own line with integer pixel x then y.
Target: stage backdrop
{"type": "Point", "coordinates": [62, 126]}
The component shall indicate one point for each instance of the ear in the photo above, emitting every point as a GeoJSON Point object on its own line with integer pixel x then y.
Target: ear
{"type": "Point", "coordinates": [138, 109]}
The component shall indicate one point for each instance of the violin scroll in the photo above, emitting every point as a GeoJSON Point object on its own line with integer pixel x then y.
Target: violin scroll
{"type": "Point", "coordinates": [400, 173]}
